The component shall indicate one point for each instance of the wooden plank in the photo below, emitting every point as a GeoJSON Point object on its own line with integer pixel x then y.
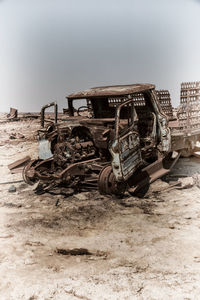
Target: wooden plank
{"type": "Point", "coordinates": [17, 170]}
{"type": "Point", "coordinates": [19, 163]}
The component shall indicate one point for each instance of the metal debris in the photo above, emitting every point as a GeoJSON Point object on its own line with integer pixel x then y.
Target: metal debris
{"type": "Point", "coordinates": [123, 142]}
{"type": "Point", "coordinates": [18, 165]}
{"type": "Point", "coordinates": [13, 113]}
{"type": "Point", "coordinates": [81, 251]}
{"type": "Point", "coordinates": [10, 182]}
{"type": "Point", "coordinates": [54, 104]}
{"type": "Point", "coordinates": [188, 113]}
{"type": "Point", "coordinates": [186, 135]}
{"type": "Point", "coordinates": [74, 252]}
{"type": "Point", "coordinates": [165, 102]}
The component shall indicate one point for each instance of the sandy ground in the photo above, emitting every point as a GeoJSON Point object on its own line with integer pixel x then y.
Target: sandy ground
{"type": "Point", "coordinates": [138, 248]}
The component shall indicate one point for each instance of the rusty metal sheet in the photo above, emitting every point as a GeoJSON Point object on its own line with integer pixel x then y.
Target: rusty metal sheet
{"type": "Point", "coordinates": [115, 90]}
{"type": "Point", "coordinates": [13, 113]}
{"type": "Point", "coordinates": [44, 148]}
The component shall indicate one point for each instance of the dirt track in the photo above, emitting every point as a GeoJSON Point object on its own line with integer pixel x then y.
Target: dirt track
{"type": "Point", "coordinates": [139, 248]}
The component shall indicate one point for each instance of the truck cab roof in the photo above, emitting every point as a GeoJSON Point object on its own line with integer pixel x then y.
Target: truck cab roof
{"type": "Point", "coordinates": [114, 90]}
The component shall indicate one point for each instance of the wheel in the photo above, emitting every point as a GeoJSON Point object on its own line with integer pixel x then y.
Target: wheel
{"type": "Point", "coordinates": [107, 183]}
{"type": "Point", "coordinates": [28, 172]}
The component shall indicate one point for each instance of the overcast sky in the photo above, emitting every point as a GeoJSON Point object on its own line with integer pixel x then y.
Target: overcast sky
{"type": "Point", "coordinates": [51, 48]}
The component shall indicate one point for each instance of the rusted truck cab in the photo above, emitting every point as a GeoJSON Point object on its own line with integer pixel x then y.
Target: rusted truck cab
{"type": "Point", "coordinates": [116, 138]}
{"type": "Point", "coordinates": [129, 122]}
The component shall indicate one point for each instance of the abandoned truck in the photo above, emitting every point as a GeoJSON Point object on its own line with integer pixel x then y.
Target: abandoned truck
{"type": "Point", "coordinates": [119, 140]}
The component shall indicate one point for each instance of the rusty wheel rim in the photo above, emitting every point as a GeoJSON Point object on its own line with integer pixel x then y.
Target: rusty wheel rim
{"type": "Point", "coordinates": [107, 183]}
{"type": "Point", "coordinates": [25, 171]}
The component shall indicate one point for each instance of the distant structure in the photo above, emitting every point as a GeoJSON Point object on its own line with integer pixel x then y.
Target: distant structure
{"type": "Point", "coordinates": [189, 109]}
{"type": "Point", "coordinates": [13, 113]}
{"type": "Point", "coordinates": [165, 102]}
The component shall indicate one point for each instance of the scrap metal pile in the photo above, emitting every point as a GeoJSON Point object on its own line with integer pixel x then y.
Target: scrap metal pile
{"type": "Point", "coordinates": [118, 139]}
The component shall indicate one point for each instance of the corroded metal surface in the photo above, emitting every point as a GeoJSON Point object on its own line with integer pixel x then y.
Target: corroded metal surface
{"type": "Point", "coordinates": [189, 110]}
{"type": "Point", "coordinates": [13, 113]}
{"type": "Point", "coordinates": [54, 104]}
{"type": "Point", "coordinates": [121, 138]}
{"type": "Point", "coordinates": [108, 184]}
{"type": "Point", "coordinates": [165, 102]}
{"type": "Point", "coordinates": [186, 133]}
{"type": "Point", "coordinates": [116, 90]}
